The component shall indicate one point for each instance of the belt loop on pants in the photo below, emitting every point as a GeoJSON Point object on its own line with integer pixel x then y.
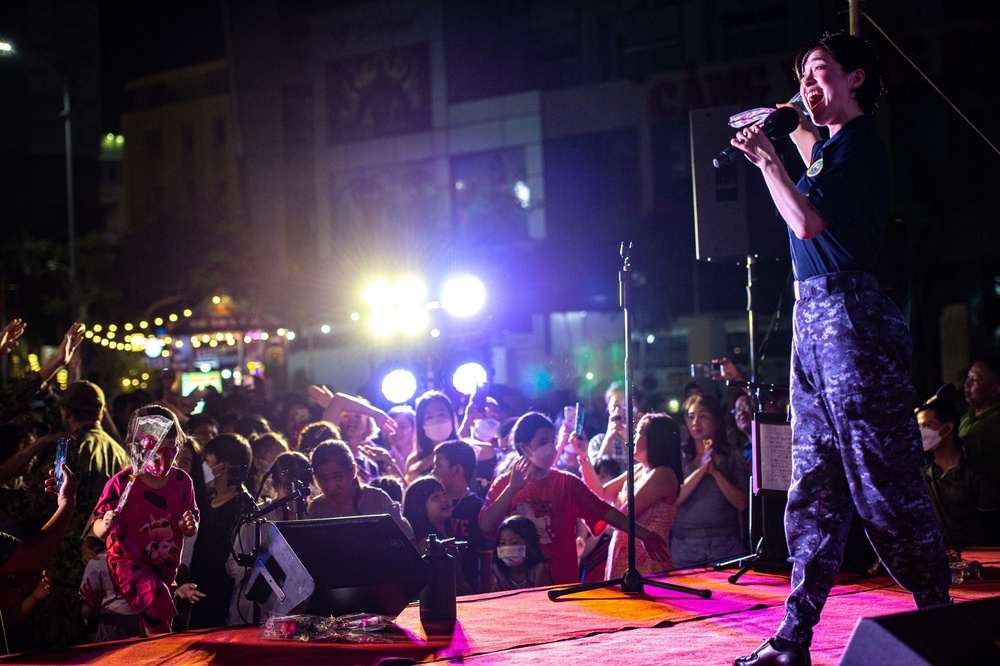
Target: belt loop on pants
{"type": "Point", "coordinates": [835, 283]}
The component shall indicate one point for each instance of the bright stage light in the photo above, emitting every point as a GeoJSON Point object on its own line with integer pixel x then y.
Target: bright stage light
{"type": "Point", "coordinates": [467, 377]}
{"type": "Point", "coordinates": [380, 294]}
{"type": "Point", "coordinates": [412, 319]}
{"type": "Point", "coordinates": [410, 290]}
{"type": "Point", "coordinates": [463, 296]}
{"type": "Point", "coordinates": [383, 322]}
{"type": "Point", "coordinates": [399, 386]}
{"type": "Point", "coordinates": [399, 307]}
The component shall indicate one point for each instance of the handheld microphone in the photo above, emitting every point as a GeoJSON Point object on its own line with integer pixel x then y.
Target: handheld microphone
{"type": "Point", "coordinates": [777, 124]}
{"type": "Point", "coordinates": [946, 392]}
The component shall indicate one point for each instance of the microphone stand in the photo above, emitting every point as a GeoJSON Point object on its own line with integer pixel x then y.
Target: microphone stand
{"type": "Point", "coordinates": [631, 582]}
{"type": "Point", "coordinates": [257, 518]}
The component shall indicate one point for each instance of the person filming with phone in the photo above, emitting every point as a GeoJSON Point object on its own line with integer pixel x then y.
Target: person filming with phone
{"type": "Point", "coordinates": [31, 556]}
{"type": "Point", "coordinates": [612, 442]}
{"type": "Point", "coordinates": [23, 563]}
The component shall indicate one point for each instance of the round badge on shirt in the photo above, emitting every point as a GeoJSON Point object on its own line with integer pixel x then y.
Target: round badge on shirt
{"type": "Point", "coordinates": [815, 168]}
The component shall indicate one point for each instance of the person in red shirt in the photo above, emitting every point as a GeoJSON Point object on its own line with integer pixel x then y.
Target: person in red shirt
{"type": "Point", "coordinates": [552, 500]}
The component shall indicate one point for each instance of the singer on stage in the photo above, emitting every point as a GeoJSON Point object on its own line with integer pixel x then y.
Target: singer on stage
{"type": "Point", "coordinates": [855, 438]}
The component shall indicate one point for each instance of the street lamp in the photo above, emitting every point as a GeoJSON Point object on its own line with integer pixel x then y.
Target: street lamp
{"type": "Point", "coordinates": [7, 50]}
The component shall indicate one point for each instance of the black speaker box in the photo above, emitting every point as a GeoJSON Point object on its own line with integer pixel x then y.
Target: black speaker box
{"type": "Point", "coordinates": [337, 566]}
{"type": "Point", "coordinates": [734, 216]}
{"type": "Point", "coordinates": [964, 634]}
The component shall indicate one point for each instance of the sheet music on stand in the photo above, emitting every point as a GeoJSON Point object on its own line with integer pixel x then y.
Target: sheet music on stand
{"type": "Point", "coordinates": [772, 453]}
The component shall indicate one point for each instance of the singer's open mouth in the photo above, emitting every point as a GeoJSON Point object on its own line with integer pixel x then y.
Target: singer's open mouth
{"type": "Point", "coordinates": [813, 98]}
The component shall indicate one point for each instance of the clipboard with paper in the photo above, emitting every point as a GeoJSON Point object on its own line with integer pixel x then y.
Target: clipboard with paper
{"type": "Point", "coordinates": [772, 453]}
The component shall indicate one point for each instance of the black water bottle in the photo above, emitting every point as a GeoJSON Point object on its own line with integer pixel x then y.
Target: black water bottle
{"type": "Point", "coordinates": [437, 599]}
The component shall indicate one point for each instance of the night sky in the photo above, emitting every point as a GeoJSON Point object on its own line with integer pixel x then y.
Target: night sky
{"type": "Point", "coordinates": [142, 38]}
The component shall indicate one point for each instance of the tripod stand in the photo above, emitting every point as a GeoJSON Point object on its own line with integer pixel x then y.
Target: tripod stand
{"type": "Point", "coordinates": [631, 581]}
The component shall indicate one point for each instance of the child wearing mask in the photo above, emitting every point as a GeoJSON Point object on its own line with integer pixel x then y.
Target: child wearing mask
{"type": "Point", "coordinates": [517, 559]}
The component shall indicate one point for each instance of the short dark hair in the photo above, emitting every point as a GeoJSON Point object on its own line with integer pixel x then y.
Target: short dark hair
{"type": "Point", "coordinates": [291, 463]}
{"type": "Point", "coordinates": [251, 425]}
{"type": "Point", "coordinates": [230, 448]}
{"type": "Point", "coordinates": [945, 411]}
{"type": "Point", "coordinates": [332, 451]}
{"type": "Point", "coordinates": [609, 465]}
{"type": "Point", "coordinates": [526, 427]}
{"type": "Point", "coordinates": [992, 364]}
{"type": "Point", "coordinates": [459, 453]}
{"type": "Point", "coordinates": [851, 53]}
{"type": "Point", "coordinates": [314, 433]}
{"type": "Point", "coordinates": [390, 485]}
{"type": "Point", "coordinates": [195, 421]}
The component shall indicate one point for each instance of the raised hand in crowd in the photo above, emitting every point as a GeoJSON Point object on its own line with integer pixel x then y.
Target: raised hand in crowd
{"type": "Point", "coordinates": [729, 371]}
{"type": "Point", "coordinates": [334, 403]}
{"type": "Point", "coordinates": [9, 335]}
{"type": "Point", "coordinates": [70, 342]}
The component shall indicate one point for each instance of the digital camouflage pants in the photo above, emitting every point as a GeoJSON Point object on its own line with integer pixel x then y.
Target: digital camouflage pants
{"type": "Point", "coordinates": [855, 446]}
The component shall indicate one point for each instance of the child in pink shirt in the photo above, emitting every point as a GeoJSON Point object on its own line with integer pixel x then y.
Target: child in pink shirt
{"type": "Point", "coordinates": [144, 540]}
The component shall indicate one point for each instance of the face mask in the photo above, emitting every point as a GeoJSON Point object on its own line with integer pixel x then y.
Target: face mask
{"type": "Point", "coordinates": [161, 462]}
{"type": "Point", "coordinates": [931, 439]}
{"type": "Point", "coordinates": [512, 556]}
{"type": "Point", "coordinates": [206, 470]}
{"type": "Point", "coordinates": [485, 429]}
{"type": "Point", "coordinates": [438, 428]}
{"type": "Point", "coordinates": [544, 456]}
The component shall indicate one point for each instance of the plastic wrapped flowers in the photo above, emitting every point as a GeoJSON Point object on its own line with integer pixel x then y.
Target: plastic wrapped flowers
{"type": "Point", "coordinates": [355, 628]}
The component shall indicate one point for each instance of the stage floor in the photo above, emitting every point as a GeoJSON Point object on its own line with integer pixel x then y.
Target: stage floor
{"type": "Point", "coordinates": [601, 626]}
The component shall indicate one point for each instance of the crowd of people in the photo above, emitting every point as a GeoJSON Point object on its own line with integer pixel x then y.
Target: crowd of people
{"type": "Point", "coordinates": [523, 498]}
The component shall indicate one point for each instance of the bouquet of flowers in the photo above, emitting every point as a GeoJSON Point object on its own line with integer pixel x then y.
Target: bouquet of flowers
{"type": "Point", "coordinates": [146, 434]}
{"type": "Point", "coordinates": [354, 628]}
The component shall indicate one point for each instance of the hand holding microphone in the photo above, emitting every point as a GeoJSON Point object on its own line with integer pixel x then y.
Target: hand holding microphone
{"type": "Point", "coordinates": [779, 123]}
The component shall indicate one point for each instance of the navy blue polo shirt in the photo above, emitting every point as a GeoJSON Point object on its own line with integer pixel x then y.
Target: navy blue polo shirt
{"type": "Point", "coordinates": [847, 183]}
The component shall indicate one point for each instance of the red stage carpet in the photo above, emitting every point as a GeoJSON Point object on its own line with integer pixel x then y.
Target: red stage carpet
{"type": "Point", "coordinates": [601, 626]}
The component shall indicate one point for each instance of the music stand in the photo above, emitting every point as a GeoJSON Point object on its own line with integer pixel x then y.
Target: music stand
{"type": "Point", "coordinates": [632, 581]}
{"type": "Point", "coordinates": [771, 444]}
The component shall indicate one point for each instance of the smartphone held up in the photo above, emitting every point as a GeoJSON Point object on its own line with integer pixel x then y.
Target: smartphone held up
{"type": "Point", "coordinates": [62, 451]}
{"type": "Point", "coordinates": [707, 370]}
